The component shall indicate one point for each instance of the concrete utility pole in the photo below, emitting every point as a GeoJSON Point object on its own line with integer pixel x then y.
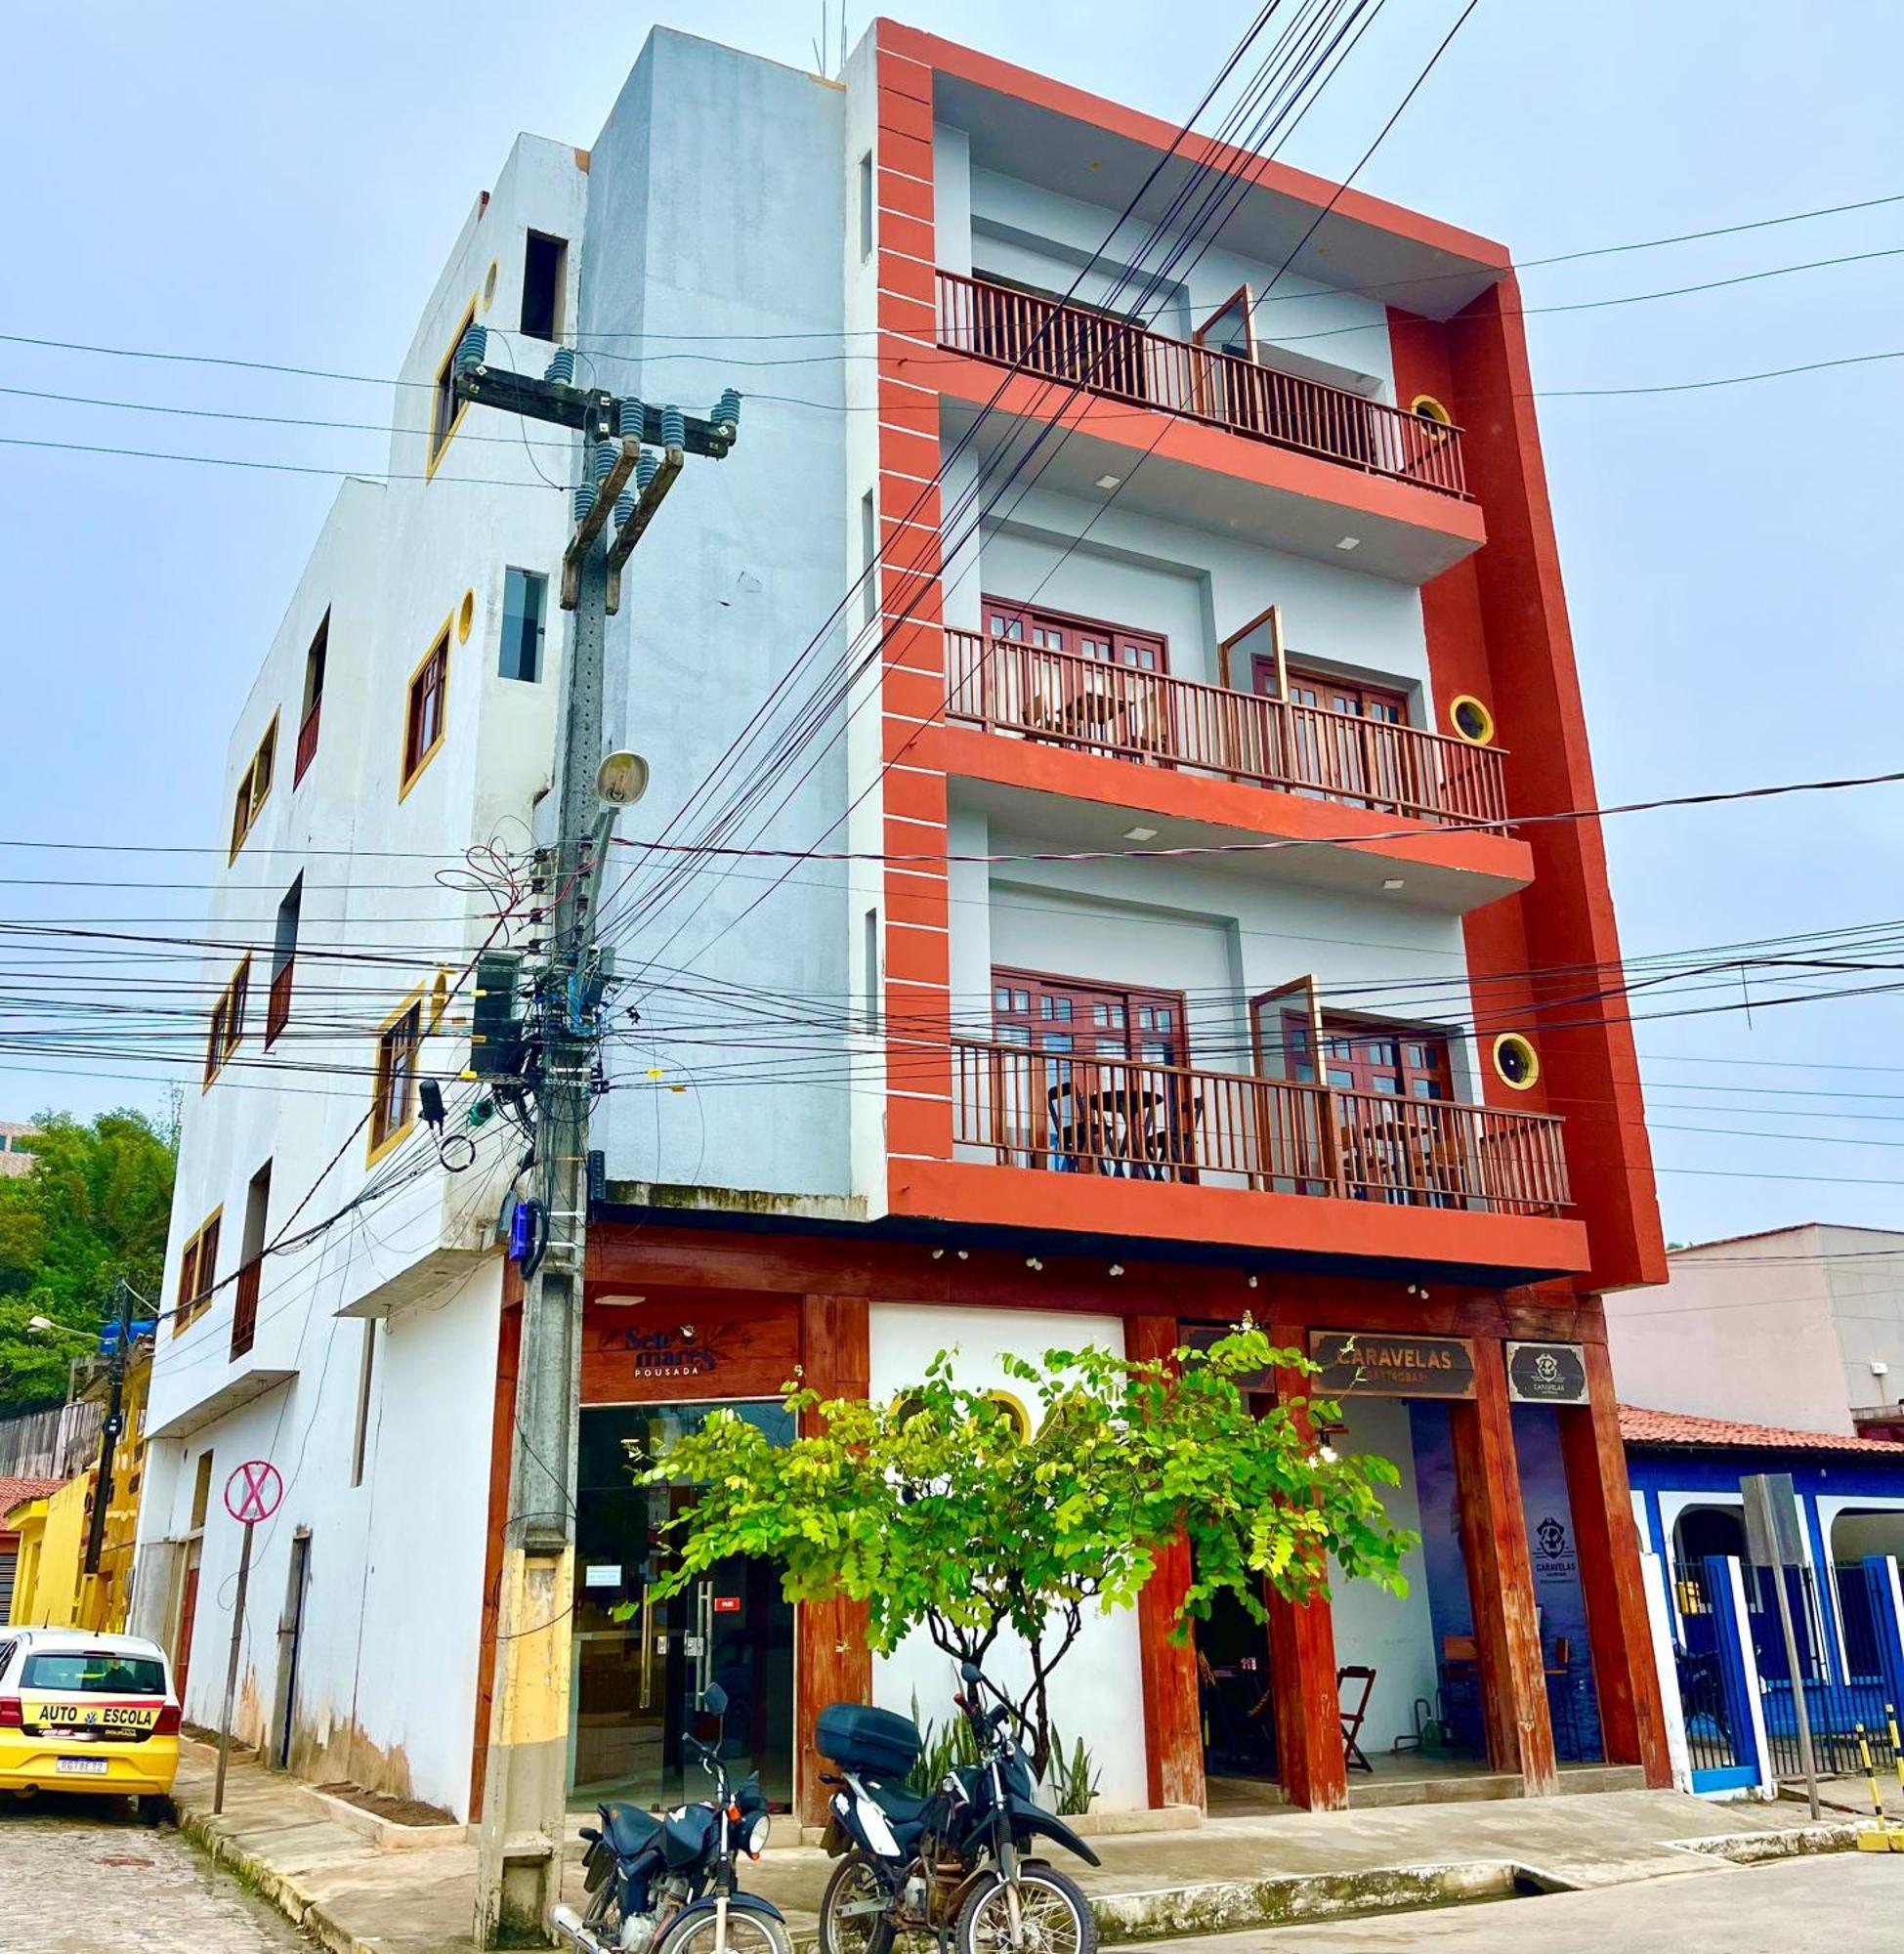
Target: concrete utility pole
{"type": "Point", "coordinates": [525, 1786]}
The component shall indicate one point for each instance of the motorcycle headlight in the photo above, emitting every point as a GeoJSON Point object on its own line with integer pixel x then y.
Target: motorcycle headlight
{"type": "Point", "coordinates": [756, 1836]}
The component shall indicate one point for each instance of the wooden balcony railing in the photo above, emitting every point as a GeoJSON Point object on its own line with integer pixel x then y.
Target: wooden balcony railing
{"type": "Point", "coordinates": [308, 737]}
{"type": "Point", "coordinates": [1146, 1121]}
{"type": "Point", "coordinates": [1067, 699]}
{"type": "Point", "coordinates": [244, 1311]}
{"type": "Point", "coordinates": [1113, 356]}
{"type": "Point", "coordinates": [277, 1002]}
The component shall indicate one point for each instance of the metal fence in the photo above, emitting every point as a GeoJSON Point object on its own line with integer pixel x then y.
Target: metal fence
{"type": "Point", "coordinates": [1835, 1708]}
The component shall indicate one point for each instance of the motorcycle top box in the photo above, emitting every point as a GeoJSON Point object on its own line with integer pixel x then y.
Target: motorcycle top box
{"type": "Point", "coordinates": [868, 1742]}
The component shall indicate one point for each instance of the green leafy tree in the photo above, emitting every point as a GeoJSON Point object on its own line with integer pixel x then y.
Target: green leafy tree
{"type": "Point", "coordinates": [96, 1207]}
{"type": "Point", "coordinates": [938, 1510]}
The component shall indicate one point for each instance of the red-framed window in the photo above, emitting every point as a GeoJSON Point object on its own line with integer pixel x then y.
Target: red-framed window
{"type": "Point", "coordinates": [1069, 1015]}
{"type": "Point", "coordinates": [1408, 1061]}
{"type": "Point", "coordinates": [1083, 637]}
{"type": "Point", "coordinates": [1332, 695]}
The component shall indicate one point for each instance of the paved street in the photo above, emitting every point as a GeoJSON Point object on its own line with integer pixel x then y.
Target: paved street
{"type": "Point", "coordinates": [1847, 1903]}
{"type": "Point", "coordinates": [83, 1877]}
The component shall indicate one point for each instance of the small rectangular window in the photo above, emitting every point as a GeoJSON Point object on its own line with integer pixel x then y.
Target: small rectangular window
{"type": "Point", "coordinates": [197, 1275]}
{"type": "Point", "coordinates": [254, 785]}
{"type": "Point", "coordinates": [868, 559]}
{"type": "Point", "coordinates": [525, 607]}
{"type": "Point", "coordinates": [545, 263]}
{"type": "Point", "coordinates": [392, 1108]}
{"type": "Point", "coordinates": [227, 1020]}
{"type": "Point", "coordinates": [201, 1491]}
{"type": "Point", "coordinates": [866, 206]}
{"type": "Point", "coordinates": [872, 971]}
{"type": "Point", "coordinates": [311, 708]}
{"type": "Point", "coordinates": [366, 1363]}
{"type": "Point", "coordinates": [423, 711]}
{"type": "Point", "coordinates": [446, 409]}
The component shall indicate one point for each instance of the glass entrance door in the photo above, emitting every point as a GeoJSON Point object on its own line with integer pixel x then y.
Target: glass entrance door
{"type": "Point", "coordinates": [638, 1681]}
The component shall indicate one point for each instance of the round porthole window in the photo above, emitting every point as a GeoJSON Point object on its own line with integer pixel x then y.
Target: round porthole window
{"type": "Point", "coordinates": [489, 286]}
{"type": "Point", "coordinates": [466, 617]}
{"type": "Point", "coordinates": [1471, 720]}
{"type": "Point", "coordinates": [1516, 1061]}
{"type": "Point", "coordinates": [1426, 407]}
{"type": "Point", "coordinates": [1020, 1419]}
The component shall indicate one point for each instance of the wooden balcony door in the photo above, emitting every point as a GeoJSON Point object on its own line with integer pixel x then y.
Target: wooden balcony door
{"type": "Point", "coordinates": [1333, 758]}
{"type": "Point", "coordinates": [1387, 1083]}
{"type": "Point", "coordinates": [1104, 1089]}
{"type": "Point", "coordinates": [1079, 680]}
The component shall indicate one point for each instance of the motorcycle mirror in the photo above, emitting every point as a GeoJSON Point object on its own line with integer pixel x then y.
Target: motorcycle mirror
{"type": "Point", "coordinates": [713, 1700]}
{"type": "Point", "coordinates": [969, 1673]}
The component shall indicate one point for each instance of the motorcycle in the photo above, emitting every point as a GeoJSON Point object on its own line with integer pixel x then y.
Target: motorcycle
{"type": "Point", "coordinates": [956, 1862]}
{"type": "Point", "coordinates": [669, 1885]}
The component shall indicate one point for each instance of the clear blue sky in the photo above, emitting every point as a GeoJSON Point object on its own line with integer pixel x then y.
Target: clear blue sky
{"type": "Point", "coordinates": [278, 183]}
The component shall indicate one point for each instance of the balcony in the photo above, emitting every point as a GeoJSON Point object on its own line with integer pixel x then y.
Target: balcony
{"type": "Point", "coordinates": [277, 1002]}
{"type": "Point", "coordinates": [1125, 362]}
{"type": "Point", "coordinates": [1139, 1121]}
{"type": "Point", "coordinates": [308, 737]}
{"type": "Point", "coordinates": [1086, 705]}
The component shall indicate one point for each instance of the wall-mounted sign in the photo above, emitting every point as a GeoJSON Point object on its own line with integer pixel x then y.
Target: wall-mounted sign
{"type": "Point", "coordinates": [1546, 1373]}
{"type": "Point", "coordinates": [1379, 1364]}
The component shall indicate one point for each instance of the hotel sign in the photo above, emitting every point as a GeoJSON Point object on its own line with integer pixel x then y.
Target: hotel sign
{"type": "Point", "coordinates": [1546, 1373]}
{"type": "Point", "coordinates": [1379, 1364]}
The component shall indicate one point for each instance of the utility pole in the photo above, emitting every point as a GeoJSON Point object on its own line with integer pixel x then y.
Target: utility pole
{"type": "Point", "coordinates": [115, 1363]}
{"type": "Point", "coordinates": [525, 1786]}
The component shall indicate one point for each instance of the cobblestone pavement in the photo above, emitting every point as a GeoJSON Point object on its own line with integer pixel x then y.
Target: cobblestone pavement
{"type": "Point", "coordinates": [83, 1877]}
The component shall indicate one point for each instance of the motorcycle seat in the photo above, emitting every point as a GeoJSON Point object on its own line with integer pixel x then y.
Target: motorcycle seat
{"type": "Point", "coordinates": [904, 1808]}
{"type": "Point", "coordinates": [627, 1828]}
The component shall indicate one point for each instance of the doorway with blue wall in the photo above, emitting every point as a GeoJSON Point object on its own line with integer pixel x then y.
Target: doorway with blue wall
{"type": "Point", "coordinates": [1559, 1600]}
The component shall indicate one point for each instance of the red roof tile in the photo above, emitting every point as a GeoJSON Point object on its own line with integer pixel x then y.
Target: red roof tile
{"type": "Point", "coordinates": [1677, 1427]}
{"type": "Point", "coordinates": [13, 1491]}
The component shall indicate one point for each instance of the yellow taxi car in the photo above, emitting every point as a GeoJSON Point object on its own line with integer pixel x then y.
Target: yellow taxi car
{"type": "Point", "coordinates": [87, 1713]}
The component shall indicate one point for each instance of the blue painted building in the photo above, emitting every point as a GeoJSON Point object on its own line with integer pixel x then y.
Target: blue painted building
{"type": "Point", "coordinates": [1736, 1686]}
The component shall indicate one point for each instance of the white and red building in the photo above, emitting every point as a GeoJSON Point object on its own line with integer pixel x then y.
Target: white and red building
{"type": "Point", "coordinates": [1286, 594]}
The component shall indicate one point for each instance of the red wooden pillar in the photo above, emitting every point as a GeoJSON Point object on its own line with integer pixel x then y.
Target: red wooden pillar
{"type": "Point", "coordinates": [1500, 1579]}
{"type": "Point", "coordinates": [832, 1662]}
{"type": "Point", "coordinates": [1174, 1737]}
{"type": "Point", "coordinates": [1606, 1538]}
{"type": "Point", "coordinates": [1302, 1671]}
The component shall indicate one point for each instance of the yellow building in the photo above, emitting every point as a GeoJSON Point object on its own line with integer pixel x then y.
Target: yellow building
{"type": "Point", "coordinates": [51, 1587]}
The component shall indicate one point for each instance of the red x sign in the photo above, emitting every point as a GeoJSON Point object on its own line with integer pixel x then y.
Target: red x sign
{"type": "Point", "coordinates": [253, 1491]}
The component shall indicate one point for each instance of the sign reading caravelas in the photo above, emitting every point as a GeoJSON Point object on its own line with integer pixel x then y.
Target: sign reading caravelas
{"type": "Point", "coordinates": [1546, 1373]}
{"type": "Point", "coordinates": [1375, 1363]}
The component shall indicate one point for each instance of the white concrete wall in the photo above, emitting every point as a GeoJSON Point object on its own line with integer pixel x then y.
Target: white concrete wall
{"type": "Point", "coordinates": [1741, 1329]}
{"type": "Point", "coordinates": [1097, 1691]}
{"type": "Point", "coordinates": [1867, 1302]}
{"type": "Point", "coordinates": [1391, 1633]}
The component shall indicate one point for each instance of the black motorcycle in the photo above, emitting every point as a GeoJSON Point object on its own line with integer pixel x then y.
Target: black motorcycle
{"type": "Point", "coordinates": [668, 1884]}
{"type": "Point", "coordinates": [956, 1862]}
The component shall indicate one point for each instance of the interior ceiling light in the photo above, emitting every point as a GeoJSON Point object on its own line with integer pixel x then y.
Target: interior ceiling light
{"type": "Point", "coordinates": [1394, 882]}
{"type": "Point", "coordinates": [1140, 834]}
{"type": "Point", "coordinates": [1349, 542]}
{"type": "Point", "coordinates": [1109, 481]}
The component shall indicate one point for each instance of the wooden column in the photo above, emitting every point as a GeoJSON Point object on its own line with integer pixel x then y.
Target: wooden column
{"type": "Point", "coordinates": [1302, 1671]}
{"type": "Point", "coordinates": [1173, 1736]}
{"type": "Point", "coordinates": [832, 1661]}
{"type": "Point", "coordinates": [1606, 1538]}
{"type": "Point", "coordinates": [1500, 1579]}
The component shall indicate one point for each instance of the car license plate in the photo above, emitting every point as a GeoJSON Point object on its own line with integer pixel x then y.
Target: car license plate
{"type": "Point", "coordinates": [82, 1766]}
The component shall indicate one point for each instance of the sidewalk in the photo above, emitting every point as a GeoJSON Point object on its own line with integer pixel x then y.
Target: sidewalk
{"type": "Point", "coordinates": [361, 1886]}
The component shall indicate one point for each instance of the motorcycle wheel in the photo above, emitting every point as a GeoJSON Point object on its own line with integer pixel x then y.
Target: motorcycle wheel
{"type": "Point", "coordinates": [1054, 1918]}
{"type": "Point", "coordinates": [746, 1933]}
{"type": "Point", "coordinates": [858, 1932]}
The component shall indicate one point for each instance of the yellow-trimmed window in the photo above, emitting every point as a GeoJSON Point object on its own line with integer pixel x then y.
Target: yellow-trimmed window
{"type": "Point", "coordinates": [446, 409]}
{"type": "Point", "coordinates": [425, 706]}
{"type": "Point", "coordinates": [198, 1273]}
{"type": "Point", "coordinates": [393, 1105]}
{"type": "Point", "coordinates": [254, 784]}
{"type": "Point", "coordinates": [228, 1019]}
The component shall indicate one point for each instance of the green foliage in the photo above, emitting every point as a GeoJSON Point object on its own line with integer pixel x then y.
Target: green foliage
{"type": "Point", "coordinates": [95, 1207]}
{"type": "Point", "coordinates": [934, 1510]}
{"type": "Point", "coordinates": [1073, 1779]}
{"type": "Point", "coordinates": [942, 1747]}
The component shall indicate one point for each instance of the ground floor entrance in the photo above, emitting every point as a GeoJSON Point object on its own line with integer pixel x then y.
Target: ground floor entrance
{"type": "Point", "coordinates": [642, 1661]}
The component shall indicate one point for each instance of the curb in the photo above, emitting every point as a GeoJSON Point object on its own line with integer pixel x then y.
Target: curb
{"type": "Point", "coordinates": [1221, 1907]}
{"type": "Point", "coordinates": [280, 1889]}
